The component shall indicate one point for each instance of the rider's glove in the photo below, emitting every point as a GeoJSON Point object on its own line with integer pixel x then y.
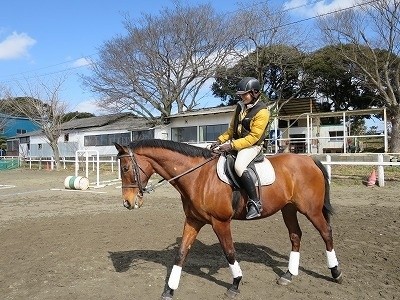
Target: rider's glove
{"type": "Point", "coordinates": [225, 147]}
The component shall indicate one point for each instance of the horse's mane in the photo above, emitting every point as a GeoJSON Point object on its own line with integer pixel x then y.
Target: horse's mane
{"type": "Point", "coordinates": [185, 149]}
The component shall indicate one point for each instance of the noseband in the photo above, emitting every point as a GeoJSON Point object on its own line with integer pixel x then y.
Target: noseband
{"type": "Point", "coordinates": [136, 172]}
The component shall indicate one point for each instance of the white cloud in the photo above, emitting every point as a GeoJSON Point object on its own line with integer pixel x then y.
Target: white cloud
{"type": "Point", "coordinates": [89, 106]}
{"type": "Point", "coordinates": [81, 62]}
{"type": "Point", "coordinates": [15, 46]}
{"type": "Point", "coordinates": [299, 7]}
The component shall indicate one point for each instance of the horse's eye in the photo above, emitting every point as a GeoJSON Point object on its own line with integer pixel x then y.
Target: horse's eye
{"type": "Point", "coordinates": [125, 169]}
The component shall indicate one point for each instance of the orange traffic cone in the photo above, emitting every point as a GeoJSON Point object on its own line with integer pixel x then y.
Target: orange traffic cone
{"type": "Point", "coordinates": [372, 178]}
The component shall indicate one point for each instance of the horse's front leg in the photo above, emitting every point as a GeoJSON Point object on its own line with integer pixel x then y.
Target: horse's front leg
{"type": "Point", "coordinates": [224, 234]}
{"type": "Point", "coordinates": [190, 232]}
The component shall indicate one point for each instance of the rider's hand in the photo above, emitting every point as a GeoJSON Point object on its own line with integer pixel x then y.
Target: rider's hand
{"type": "Point", "coordinates": [214, 145]}
{"type": "Point", "coordinates": [225, 147]}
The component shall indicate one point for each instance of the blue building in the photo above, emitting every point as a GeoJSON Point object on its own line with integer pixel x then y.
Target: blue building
{"type": "Point", "coordinates": [11, 126]}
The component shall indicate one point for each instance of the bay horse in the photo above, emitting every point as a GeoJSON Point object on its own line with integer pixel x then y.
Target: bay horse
{"type": "Point", "coordinates": [301, 185]}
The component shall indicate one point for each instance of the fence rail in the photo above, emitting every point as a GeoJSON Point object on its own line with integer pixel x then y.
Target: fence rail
{"type": "Point", "coordinates": [111, 161]}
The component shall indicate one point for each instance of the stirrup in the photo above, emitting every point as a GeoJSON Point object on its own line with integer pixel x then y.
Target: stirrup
{"type": "Point", "coordinates": [254, 209]}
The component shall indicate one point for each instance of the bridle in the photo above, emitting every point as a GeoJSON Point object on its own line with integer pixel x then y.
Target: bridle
{"type": "Point", "coordinates": [136, 172]}
{"type": "Point", "coordinates": [147, 189]}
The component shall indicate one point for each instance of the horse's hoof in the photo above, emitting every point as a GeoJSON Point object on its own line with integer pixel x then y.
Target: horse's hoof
{"type": "Point", "coordinates": [336, 274]}
{"type": "Point", "coordinates": [232, 293]}
{"type": "Point", "coordinates": [339, 279]}
{"type": "Point", "coordinates": [166, 296]}
{"type": "Point", "coordinates": [285, 279]}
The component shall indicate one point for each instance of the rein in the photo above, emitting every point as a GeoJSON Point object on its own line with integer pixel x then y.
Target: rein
{"type": "Point", "coordinates": [152, 187]}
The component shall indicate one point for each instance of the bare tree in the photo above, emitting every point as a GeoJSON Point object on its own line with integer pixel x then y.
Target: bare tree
{"type": "Point", "coordinates": [3, 119]}
{"type": "Point", "coordinates": [162, 62]}
{"type": "Point", "coordinates": [42, 105]}
{"type": "Point", "coordinates": [370, 39]}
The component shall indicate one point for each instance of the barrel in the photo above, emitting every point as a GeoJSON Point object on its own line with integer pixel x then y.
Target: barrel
{"type": "Point", "coordinates": [76, 183]}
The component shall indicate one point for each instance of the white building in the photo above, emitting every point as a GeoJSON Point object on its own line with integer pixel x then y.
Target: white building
{"type": "Point", "coordinates": [299, 131]}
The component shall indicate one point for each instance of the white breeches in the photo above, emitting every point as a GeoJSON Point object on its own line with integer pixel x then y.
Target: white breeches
{"type": "Point", "coordinates": [244, 157]}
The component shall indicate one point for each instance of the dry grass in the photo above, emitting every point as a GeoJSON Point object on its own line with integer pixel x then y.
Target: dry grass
{"type": "Point", "coordinates": [392, 173]}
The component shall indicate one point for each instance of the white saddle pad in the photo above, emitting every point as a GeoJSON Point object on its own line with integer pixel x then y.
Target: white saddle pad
{"type": "Point", "coordinates": [264, 169]}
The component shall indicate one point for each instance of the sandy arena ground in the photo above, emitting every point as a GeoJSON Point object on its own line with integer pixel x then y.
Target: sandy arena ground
{"type": "Point", "coordinates": [67, 244]}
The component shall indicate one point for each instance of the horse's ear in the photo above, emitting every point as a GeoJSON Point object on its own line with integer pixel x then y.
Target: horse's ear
{"type": "Point", "coordinates": [119, 147]}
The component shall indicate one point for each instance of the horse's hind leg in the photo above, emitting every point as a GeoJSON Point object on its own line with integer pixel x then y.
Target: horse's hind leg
{"type": "Point", "coordinates": [325, 230]}
{"type": "Point", "coordinates": [289, 213]}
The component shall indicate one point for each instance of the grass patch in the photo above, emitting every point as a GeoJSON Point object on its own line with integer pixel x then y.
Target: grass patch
{"type": "Point", "coordinates": [363, 172]}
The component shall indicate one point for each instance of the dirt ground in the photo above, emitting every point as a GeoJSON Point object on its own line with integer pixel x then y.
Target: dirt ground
{"type": "Point", "coordinates": [68, 244]}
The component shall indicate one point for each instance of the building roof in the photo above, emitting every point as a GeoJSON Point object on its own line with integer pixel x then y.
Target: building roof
{"type": "Point", "coordinates": [297, 106]}
{"type": "Point", "coordinates": [204, 111]}
{"type": "Point", "coordinates": [120, 121]}
{"type": "Point", "coordinates": [92, 121]}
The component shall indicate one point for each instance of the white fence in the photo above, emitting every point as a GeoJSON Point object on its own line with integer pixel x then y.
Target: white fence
{"type": "Point", "coordinates": [112, 162]}
{"type": "Point", "coordinates": [379, 163]}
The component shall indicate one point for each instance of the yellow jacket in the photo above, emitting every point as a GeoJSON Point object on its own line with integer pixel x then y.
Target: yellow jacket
{"type": "Point", "coordinates": [258, 125]}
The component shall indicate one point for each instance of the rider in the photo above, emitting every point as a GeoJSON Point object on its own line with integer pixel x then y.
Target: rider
{"type": "Point", "coordinates": [246, 134]}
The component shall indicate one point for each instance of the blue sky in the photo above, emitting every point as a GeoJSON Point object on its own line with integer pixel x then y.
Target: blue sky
{"type": "Point", "coordinates": [40, 40]}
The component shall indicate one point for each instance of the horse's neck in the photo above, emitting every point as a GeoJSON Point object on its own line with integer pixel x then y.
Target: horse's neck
{"type": "Point", "coordinates": [171, 164]}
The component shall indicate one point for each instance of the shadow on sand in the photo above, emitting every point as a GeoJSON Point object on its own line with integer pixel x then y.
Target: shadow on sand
{"type": "Point", "coordinates": [205, 261]}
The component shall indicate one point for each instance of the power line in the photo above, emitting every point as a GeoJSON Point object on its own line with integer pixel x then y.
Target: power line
{"type": "Point", "coordinates": [255, 4]}
{"type": "Point", "coordinates": [45, 74]}
{"type": "Point", "coordinates": [43, 68]}
{"type": "Point", "coordinates": [321, 15]}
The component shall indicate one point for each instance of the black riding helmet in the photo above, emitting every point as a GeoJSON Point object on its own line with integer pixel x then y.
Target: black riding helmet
{"type": "Point", "coordinates": [248, 84]}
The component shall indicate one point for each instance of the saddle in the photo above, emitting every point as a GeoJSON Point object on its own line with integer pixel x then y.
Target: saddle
{"type": "Point", "coordinates": [260, 170]}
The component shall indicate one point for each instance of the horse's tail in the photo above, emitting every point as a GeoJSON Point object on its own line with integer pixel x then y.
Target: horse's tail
{"type": "Point", "coordinates": [327, 209]}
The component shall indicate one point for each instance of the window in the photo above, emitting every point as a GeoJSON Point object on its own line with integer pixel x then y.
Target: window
{"type": "Point", "coordinates": [20, 131]}
{"type": "Point", "coordinates": [184, 134]}
{"type": "Point", "coordinates": [142, 134]}
{"type": "Point", "coordinates": [336, 136]}
{"type": "Point", "coordinates": [24, 140]}
{"type": "Point", "coordinates": [66, 137]}
{"type": "Point", "coordinates": [294, 123]}
{"type": "Point", "coordinates": [208, 133]}
{"type": "Point", "coordinates": [107, 139]}
{"type": "Point", "coordinates": [12, 145]}
{"type": "Point", "coordinates": [90, 140]}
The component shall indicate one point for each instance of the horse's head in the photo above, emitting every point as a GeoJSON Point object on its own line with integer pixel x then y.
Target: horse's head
{"type": "Point", "coordinates": [135, 173]}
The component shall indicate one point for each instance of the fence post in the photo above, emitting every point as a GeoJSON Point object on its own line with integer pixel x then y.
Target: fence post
{"type": "Point", "coordinates": [381, 173]}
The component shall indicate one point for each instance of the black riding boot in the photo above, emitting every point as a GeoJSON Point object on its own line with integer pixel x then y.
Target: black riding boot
{"type": "Point", "coordinates": [254, 207]}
